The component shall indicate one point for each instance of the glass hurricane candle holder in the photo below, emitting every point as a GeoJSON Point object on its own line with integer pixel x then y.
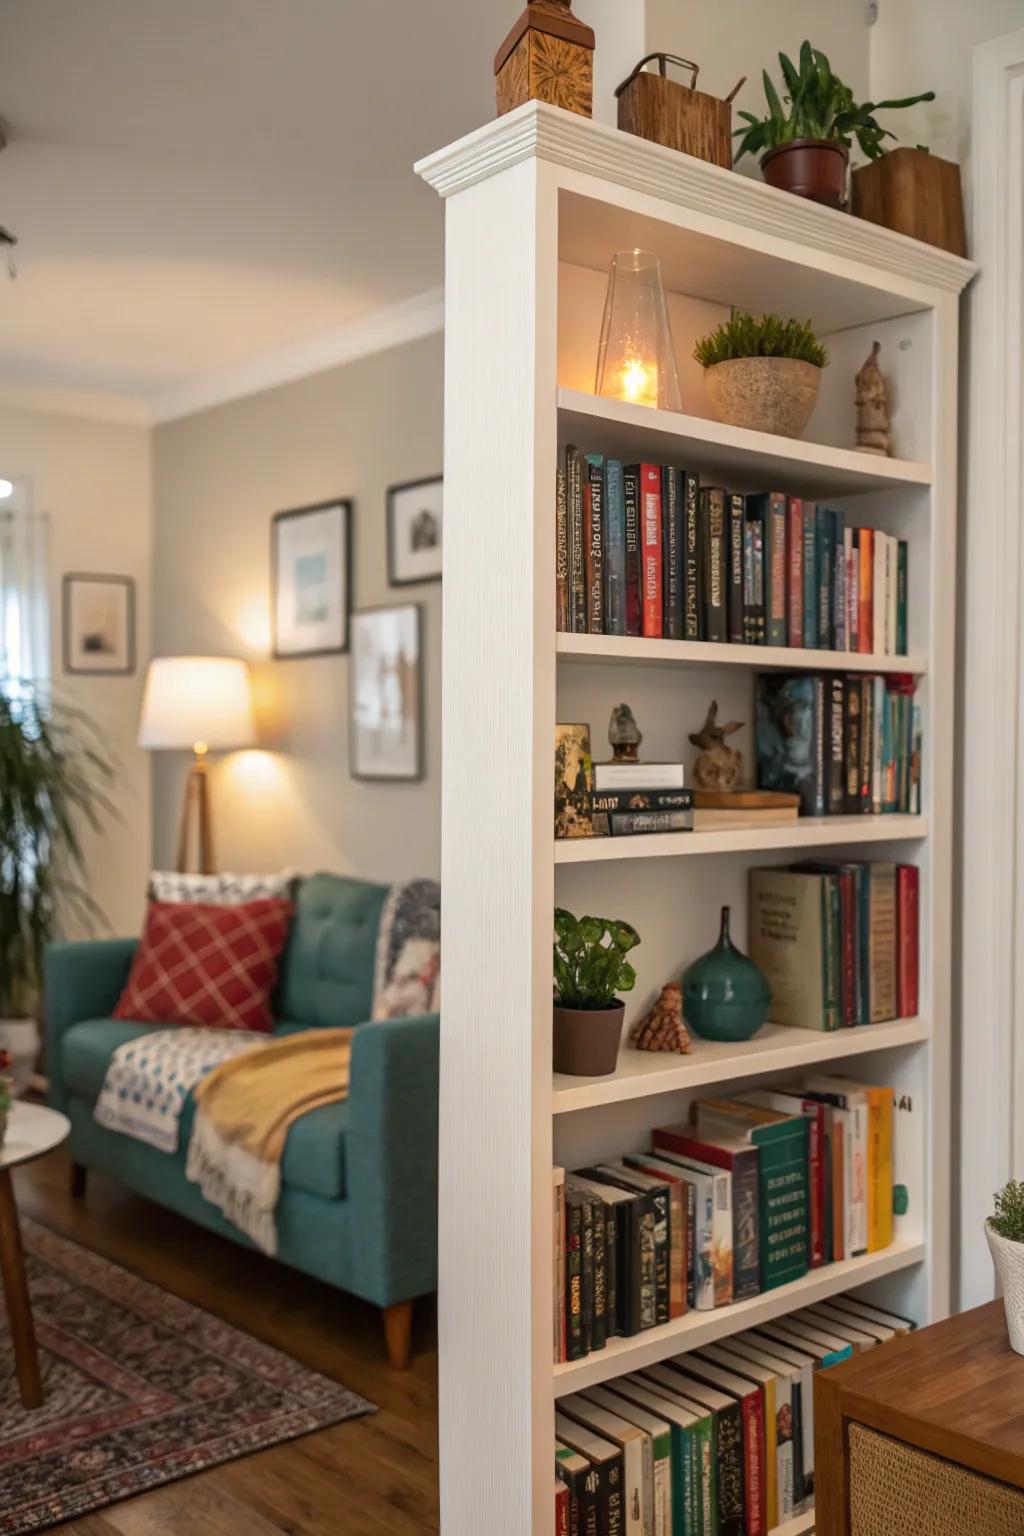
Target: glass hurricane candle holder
{"type": "Point", "coordinates": [636, 360]}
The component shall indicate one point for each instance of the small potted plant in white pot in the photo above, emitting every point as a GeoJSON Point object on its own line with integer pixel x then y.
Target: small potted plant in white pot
{"type": "Point", "coordinates": [1005, 1232]}
{"type": "Point", "coordinates": [590, 970]}
{"type": "Point", "coordinates": [763, 374]}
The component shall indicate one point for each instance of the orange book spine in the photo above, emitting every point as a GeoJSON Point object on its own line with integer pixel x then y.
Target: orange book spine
{"type": "Point", "coordinates": [865, 592]}
{"type": "Point", "coordinates": [880, 1112]}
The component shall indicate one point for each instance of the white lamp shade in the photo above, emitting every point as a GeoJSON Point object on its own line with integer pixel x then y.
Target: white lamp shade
{"type": "Point", "coordinates": [197, 699]}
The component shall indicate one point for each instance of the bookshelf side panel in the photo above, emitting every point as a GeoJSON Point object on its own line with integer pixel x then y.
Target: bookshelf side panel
{"type": "Point", "coordinates": [496, 1416]}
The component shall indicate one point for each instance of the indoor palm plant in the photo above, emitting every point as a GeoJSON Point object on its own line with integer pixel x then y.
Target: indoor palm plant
{"type": "Point", "coordinates": [51, 771]}
{"type": "Point", "coordinates": [762, 373]}
{"type": "Point", "coordinates": [804, 139]}
{"type": "Point", "coordinates": [1005, 1231]}
{"type": "Point", "coordinates": [590, 970]}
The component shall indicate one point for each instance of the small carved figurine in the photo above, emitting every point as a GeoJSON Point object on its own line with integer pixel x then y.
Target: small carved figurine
{"type": "Point", "coordinates": [662, 1029]}
{"type": "Point", "coordinates": [874, 415]}
{"type": "Point", "coordinates": [625, 735]}
{"type": "Point", "coordinates": [718, 767]}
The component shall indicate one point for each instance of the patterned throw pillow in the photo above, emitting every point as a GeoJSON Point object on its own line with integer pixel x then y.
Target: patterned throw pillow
{"type": "Point", "coordinates": [207, 965]}
{"type": "Point", "coordinates": [224, 890]}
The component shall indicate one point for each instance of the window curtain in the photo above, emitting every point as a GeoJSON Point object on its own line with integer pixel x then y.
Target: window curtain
{"type": "Point", "coordinates": [25, 659]}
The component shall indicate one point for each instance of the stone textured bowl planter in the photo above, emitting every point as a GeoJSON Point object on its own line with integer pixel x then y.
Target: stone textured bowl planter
{"type": "Point", "coordinates": [1008, 1259]}
{"type": "Point", "coordinates": [586, 1040]}
{"type": "Point", "coordinates": [766, 394]}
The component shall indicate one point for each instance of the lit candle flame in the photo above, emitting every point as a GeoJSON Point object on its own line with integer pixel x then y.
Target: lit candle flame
{"type": "Point", "coordinates": [638, 381]}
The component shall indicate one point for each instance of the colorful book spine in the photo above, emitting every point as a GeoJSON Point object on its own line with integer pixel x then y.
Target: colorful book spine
{"type": "Point", "coordinates": [810, 576]}
{"type": "Point", "coordinates": [631, 509]}
{"type": "Point", "coordinates": [825, 557]}
{"type": "Point", "coordinates": [795, 570]}
{"type": "Point", "coordinates": [853, 591]}
{"type": "Point", "coordinates": [835, 792]}
{"type": "Point", "coordinates": [672, 553]}
{"type": "Point", "coordinates": [614, 550]}
{"type": "Point", "coordinates": [561, 553]}
{"type": "Point", "coordinates": [574, 1203]}
{"type": "Point", "coordinates": [838, 628]}
{"type": "Point", "coordinates": [901, 598]}
{"type": "Point", "coordinates": [577, 554]}
{"type": "Point", "coordinates": [693, 596]}
{"type": "Point", "coordinates": [593, 534]}
{"type": "Point", "coordinates": [735, 603]}
{"type": "Point", "coordinates": [866, 592]}
{"type": "Point", "coordinates": [713, 538]}
{"type": "Point", "coordinates": [650, 529]}
{"type": "Point", "coordinates": [775, 563]}
{"type": "Point", "coordinates": [907, 927]}
{"type": "Point", "coordinates": [749, 622]}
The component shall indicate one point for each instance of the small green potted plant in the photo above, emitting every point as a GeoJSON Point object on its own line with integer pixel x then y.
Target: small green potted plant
{"type": "Point", "coordinates": [804, 140]}
{"type": "Point", "coordinates": [590, 970]}
{"type": "Point", "coordinates": [1005, 1232]}
{"type": "Point", "coordinates": [763, 373]}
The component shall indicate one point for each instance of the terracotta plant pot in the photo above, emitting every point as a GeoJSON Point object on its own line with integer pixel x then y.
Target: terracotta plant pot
{"type": "Point", "coordinates": [586, 1040]}
{"type": "Point", "coordinates": [1008, 1259]}
{"type": "Point", "coordinates": [811, 168]}
{"type": "Point", "coordinates": [766, 394]}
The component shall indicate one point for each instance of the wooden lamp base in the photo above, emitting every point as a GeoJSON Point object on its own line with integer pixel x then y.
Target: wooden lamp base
{"type": "Point", "coordinates": [196, 807]}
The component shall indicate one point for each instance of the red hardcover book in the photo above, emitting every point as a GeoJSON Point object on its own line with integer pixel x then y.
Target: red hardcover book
{"type": "Point", "coordinates": [907, 922]}
{"type": "Point", "coordinates": [561, 1510]}
{"type": "Point", "coordinates": [650, 549]}
{"type": "Point", "coordinates": [795, 571]}
{"type": "Point", "coordinates": [866, 592]}
{"type": "Point", "coordinates": [750, 1397]}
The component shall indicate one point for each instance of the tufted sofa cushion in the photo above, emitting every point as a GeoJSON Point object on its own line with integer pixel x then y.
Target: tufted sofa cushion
{"type": "Point", "coordinates": [327, 976]}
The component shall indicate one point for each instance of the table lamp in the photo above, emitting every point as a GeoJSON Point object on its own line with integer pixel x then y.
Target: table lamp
{"type": "Point", "coordinates": [202, 704]}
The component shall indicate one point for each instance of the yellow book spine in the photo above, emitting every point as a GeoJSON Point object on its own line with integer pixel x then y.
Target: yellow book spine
{"type": "Point", "coordinates": [880, 1112]}
{"type": "Point", "coordinates": [771, 1443]}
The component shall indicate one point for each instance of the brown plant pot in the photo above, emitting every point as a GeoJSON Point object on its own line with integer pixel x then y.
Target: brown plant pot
{"type": "Point", "coordinates": [586, 1040]}
{"type": "Point", "coordinates": [811, 168]}
{"type": "Point", "coordinates": [764, 394]}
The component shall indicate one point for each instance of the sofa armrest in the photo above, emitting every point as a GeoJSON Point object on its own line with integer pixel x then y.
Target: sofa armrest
{"type": "Point", "coordinates": [391, 1156]}
{"type": "Point", "coordinates": [80, 981]}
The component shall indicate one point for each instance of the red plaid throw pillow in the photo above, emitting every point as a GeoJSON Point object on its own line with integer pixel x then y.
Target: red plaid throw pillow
{"type": "Point", "coordinates": [214, 966]}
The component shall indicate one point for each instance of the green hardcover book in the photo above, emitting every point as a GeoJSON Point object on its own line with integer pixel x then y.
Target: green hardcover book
{"type": "Point", "coordinates": [783, 1142]}
{"type": "Point", "coordinates": [690, 1428]}
{"type": "Point", "coordinates": [726, 1443]}
{"type": "Point", "coordinates": [901, 598]}
{"type": "Point", "coordinates": [794, 936]}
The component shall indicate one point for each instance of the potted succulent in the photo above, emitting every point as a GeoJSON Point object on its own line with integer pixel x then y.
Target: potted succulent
{"type": "Point", "coordinates": [1005, 1232]}
{"type": "Point", "coordinates": [590, 969]}
{"type": "Point", "coordinates": [50, 768]}
{"type": "Point", "coordinates": [805, 139]}
{"type": "Point", "coordinates": [762, 373]}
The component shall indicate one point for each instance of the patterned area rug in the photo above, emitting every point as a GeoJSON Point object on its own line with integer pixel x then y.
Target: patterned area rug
{"type": "Point", "coordinates": [141, 1388]}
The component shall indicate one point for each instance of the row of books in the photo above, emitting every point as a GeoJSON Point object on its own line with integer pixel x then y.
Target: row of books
{"type": "Point", "coordinates": [838, 943]}
{"type": "Point", "coordinates": [717, 1442]}
{"type": "Point", "coordinates": [847, 745]}
{"type": "Point", "coordinates": [747, 1196]}
{"type": "Point", "coordinates": [644, 549]}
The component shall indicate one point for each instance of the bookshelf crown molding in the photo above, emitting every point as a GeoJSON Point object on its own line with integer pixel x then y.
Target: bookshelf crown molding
{"type": "Point", "coordinates": [538, 131]}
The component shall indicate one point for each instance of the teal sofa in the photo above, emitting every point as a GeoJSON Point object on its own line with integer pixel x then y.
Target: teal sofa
{"type": "Point", "coordinates": [358, 1205]}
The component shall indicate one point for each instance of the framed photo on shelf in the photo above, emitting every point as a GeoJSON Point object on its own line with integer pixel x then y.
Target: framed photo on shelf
{"type": "Point", "coordinates": [311, 579]}
{"type": "Point", "coordinates": [415, 528]}
{"type": "Point", "coordinates": [98, 624]}
{"type": "Point", "coordinates": [386, 694]}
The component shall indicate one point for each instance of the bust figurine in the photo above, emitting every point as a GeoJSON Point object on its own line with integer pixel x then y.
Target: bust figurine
{"type": "Point", "coordinates": [625, 735]}
{"type": "Point", "coordinates": [874, 416]}
{"type": "Point", "coordinates": [718, 767]}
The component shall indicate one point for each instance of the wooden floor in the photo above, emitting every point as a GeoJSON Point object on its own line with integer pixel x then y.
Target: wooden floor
{"type": "Point", "coordinates": [369, 1476]}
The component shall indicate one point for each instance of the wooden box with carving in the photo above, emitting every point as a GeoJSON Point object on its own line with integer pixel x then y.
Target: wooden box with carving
{"type": "Point", "coordinates": [547, 56]}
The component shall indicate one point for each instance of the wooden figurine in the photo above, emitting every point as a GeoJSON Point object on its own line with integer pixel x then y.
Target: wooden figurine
{"type": "Point", "coordinates": [874, 418]}
{"type": "Point", "coordinates": [625, 735]}
{"type": "Point", "coordinates": [718, 767]}
{"type": "Point", "coordinates": [662, 1028]}
{"type": "Point", "coordinates": [547, 56]}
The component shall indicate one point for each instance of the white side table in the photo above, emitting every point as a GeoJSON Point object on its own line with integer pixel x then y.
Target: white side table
{"type": "Point", "coordinates": [32, 1131]}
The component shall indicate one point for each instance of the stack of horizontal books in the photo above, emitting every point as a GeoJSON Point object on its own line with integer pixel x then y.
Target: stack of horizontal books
{"type": "Point", "coordinates": [631, 798]}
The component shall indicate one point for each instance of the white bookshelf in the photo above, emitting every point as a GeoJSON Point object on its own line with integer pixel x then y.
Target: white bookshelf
{"type": "Point", "coordinates": [537, 203]}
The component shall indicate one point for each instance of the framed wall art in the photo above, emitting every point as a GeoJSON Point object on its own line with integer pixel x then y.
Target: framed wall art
{"type": "Point", "coordinates": [98, 624]}
{"type": "Point", "coordinates": [386, 694]}
{"type": "Point", "coordinates": [415, 528]}
{"type": "Point", "coordinates": [311, 579]}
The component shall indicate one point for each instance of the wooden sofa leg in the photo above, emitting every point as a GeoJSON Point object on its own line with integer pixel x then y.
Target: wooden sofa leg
{"type": "Point", "coordinates": [398, 1332]}
{"type": "Point", "coordinates": [77, 1181]}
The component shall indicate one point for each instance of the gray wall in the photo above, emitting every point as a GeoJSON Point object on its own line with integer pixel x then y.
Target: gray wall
{"type": "Point", "coordinates": [218, 478]}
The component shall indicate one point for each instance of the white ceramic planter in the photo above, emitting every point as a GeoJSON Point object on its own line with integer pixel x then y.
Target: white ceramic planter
{"type": "Point", "coordinates": [21, 1038]}
{"type": "Point", "coordinates": [1008, 1259]}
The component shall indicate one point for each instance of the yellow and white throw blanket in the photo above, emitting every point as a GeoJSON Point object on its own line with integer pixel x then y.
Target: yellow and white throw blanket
{"type": "Point", "coordinates": [244, 1110]}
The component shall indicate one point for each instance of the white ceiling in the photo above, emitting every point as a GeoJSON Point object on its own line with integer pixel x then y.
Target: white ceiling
{"type": "Point", "coordinates": [197, 182]}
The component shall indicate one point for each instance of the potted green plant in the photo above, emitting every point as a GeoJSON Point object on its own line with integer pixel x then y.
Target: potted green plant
{"type": "Point", "coordinates": [1005, 1232]}
{"type": "Point", "coordinates": [590, 969]}
{"type": "Point", "coordinates": [51, 767]}
{"type": "Point", "coordinates": [804, 140]}
{"type": "Point", "coordinates": [762, 373]}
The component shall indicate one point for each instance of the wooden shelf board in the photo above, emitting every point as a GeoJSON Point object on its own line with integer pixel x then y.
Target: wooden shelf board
{"type": "Point", "coordinates": [750, 460]}
{"type": "Point", "coordinates": [629, 650]}
{"type": "Point", "coordinates": [778, 1048]}
{"type": "Point", "coordinates": [697, 1328]}
{"type": "Point", "coordinates": [805, 832]}
{"type": "Point", "coordinates": [800, 1525]}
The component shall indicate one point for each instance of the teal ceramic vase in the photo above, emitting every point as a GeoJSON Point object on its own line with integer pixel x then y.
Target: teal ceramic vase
{"type": "Point", "coordinates": [725, 996]}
